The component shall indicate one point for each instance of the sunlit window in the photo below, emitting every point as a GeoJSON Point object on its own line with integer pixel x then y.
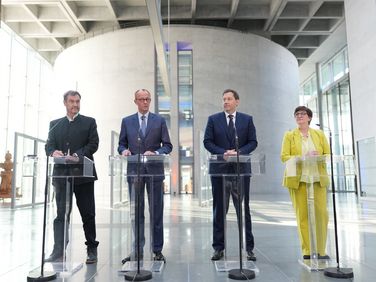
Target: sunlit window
{"type": "Point", "coordinates": [24, 86]}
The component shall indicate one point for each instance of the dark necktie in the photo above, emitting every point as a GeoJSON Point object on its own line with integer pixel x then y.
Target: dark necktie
{"type": "Point", "coordinates": [143, 125]}
{"type": "Point", "coordinates": [231, 128]}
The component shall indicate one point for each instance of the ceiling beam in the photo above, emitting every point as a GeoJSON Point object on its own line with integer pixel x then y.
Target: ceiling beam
{"type": "Point", "coordinates": [112, 9]}
{"type": "Point", "coordinates": [234, 9]}
{"type": "Point", "coordinates": [155, 18]}
{"type": "Point", "coordinates": [33, 10]}
{"type": "Point", "coordinates": [313, 8]}
{"type": "Point", "coordinates": [70, 10]}
{"type": "Point", "coordinates": [276, 8]}
{"type": "Point", "coordinates": [193, 11]}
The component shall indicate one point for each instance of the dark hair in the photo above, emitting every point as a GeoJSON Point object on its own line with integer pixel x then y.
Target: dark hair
{"type": "Point", "coordinates": [304, 109]}
{"type": "Point", "coordinates": [71, 93]}
{"type": "Point", "coordinates": [236, 95]}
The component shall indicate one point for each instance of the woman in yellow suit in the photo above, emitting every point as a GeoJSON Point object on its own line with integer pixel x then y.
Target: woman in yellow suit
{"type": "Point", "coordinates": [305, 141]}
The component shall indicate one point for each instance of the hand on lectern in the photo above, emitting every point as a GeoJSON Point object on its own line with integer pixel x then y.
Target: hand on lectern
{"type": "Point", "coordinates": [312, 153]}
{"type": "Point", "coordinates": [72, 158]}
{"type": "Point", "coordinates": [57, 154]}
{"type": "Point", "coordinates": [228, 154]}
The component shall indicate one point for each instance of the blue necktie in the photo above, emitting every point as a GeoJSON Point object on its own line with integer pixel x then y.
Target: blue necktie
{"type": "Point", "coordinates": [143, 125]}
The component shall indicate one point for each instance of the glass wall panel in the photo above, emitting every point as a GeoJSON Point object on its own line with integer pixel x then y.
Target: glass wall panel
{"type": "Point", "coordinates": [326, 75]}
{"type": "Point", "coordinates": [337, 117]}
{"type": "Point", "coordinates": [308, 90]}
{"type": "Point", "coordinates": [338, 66]}
{"type": "Point", "coordinates": [185, 95]}
{"type": "Point", "coordinates": [336, 114]}
{"type": "Point", "coordinates": [163, 107]}
{"type": "Point", "coordinates": [31, 94]}
{"type": "Point", "coordinates": [23, 85]}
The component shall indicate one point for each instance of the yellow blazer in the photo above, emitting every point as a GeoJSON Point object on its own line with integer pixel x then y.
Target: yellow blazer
{"type": "Point", "coordinates": [292, 146]}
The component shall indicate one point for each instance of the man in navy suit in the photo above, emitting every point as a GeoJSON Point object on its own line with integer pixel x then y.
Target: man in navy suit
{"type": "Point", "coordinates": [219, 139]}
{"type": "Point", "coordinates": [146, 133]}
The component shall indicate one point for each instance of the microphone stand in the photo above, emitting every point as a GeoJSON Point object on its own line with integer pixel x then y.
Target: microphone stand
{"type": "Point", "coordinates": [240, 273]}
{"type": "Point", "coordinates": [43, 275]}
{"type": "Point", "coordinates": [336, 272]}
{"type": "Point", "coordinates": [138, 275]}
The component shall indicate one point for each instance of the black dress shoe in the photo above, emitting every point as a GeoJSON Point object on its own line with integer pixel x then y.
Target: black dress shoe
{"type": "Point", "coordinates": [217, 255]}
{"type": "Point", "coordinates": [92, 255]}
{"type": "Point", "coordinates": [306, 257]}
{"type": "Point", "coordinates": [131, 257]}
{"type": "Point", "coordinates": [55, 257]}
{"type": "Point", "coordinates": [159, 257]}
{"type": "Point", "coordinates": [251, 256]}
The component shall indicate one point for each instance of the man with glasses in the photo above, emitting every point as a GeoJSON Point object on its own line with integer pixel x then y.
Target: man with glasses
{"type": "Point", "coordinates": [146, 133]}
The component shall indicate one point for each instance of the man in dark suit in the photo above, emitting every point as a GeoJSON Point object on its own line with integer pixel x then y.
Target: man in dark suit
{"type": "Point", "coordinates": [74, 136]}
{"type": "Point", "coordinates": [219, 139]}
{"type": "Point", "coordinates": [146, 133]}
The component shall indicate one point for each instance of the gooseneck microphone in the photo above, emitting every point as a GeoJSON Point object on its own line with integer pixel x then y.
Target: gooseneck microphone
{"type": "Point", "coordinates": [336, 272]}
{"type": "Point", "coordinates": [43, 275]}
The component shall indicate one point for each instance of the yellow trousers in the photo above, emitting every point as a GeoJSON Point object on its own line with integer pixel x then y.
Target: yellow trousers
{"type": "Point", "coordinates": [299, 201]}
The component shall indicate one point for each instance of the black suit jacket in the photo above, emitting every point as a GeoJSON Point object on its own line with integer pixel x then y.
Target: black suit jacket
{"type": "Point", "coordinates": [217, 140]}
{"type": "Point", "coordinates": [79, 136]}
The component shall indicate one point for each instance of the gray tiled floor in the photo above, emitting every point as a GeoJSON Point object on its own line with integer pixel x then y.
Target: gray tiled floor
{"type": "Point", "coordinates": [188, 241]}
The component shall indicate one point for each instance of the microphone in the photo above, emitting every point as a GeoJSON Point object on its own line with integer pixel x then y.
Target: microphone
{"type": "Point", "coordinates": [235, 131]}
{"type": "Point", "coordinates": [236, 139]}
{"type": "Point", "coordinates": [326, 127]}
{"type": "Point", "coordinates": [68, 149]}
{"type": "Point", "coordinates": [48, 135]}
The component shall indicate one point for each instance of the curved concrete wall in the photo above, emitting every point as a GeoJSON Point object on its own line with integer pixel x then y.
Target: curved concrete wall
{"type": "Point", "coordinates": [107, 69]}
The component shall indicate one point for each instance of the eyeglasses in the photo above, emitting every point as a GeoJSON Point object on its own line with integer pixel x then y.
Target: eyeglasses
{"type": "Point", "coordinates": [144, 99]}
{"type": "Point", "coordinates": [300, 114]}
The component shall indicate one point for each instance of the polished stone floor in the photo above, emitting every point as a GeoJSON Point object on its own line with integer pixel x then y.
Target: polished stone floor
{"type": "Point", "coordinates": [188, 241]}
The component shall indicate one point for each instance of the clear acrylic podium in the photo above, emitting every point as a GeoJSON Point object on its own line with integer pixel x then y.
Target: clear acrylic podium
{"type": "Point", "coordinates": [232, 184]}
{"type": "Point", "coordinates": [141, 173]}
{"type": "Point", "coordinates": [313, 169]}
{"type": "Point", "coordinates": [63, 173]}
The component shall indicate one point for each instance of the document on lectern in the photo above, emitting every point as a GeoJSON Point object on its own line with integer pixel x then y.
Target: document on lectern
{"type": "Point", "coordinates": [66, 160]}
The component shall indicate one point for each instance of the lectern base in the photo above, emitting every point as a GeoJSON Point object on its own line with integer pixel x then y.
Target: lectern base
{"type": "Point", "coordinates": [338, 272]}
{"type": "Point", "coordinates": [36, 276]}
{"type": "Point", "coordinates": [244, 274]}
{"type": "Point", "coordinates": [138, 276]}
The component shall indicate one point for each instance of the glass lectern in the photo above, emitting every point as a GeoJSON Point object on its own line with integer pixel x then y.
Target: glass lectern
{"type": "Point", "coordinates": [64, 172]}
{"type": "Point", "coordinates": [234, 176]}
{"type": "Point", "coordinates": [313, 169]}
{"type": "Point", "coordinates": [143, 172]}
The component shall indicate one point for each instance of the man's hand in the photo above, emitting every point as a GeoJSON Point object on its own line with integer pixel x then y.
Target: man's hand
{"type": "Point", "coordinates": [126, 153]}
{"type": "Point", "coordinates": [229, 153]}
{"type": "Point", "coordinates": [149, 153]}
{"type": "Point", "coordinates": [57, 154]}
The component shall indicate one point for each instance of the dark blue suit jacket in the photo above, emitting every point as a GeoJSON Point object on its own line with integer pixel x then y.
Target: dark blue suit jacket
{"type": "Point", "coordinates": [217, 139]}
{"type": "Point", "coordinates": [156, 139]}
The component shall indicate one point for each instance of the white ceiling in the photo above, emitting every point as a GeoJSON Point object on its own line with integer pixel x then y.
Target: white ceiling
{"type": "Point", "coordinates": [51, 26]}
